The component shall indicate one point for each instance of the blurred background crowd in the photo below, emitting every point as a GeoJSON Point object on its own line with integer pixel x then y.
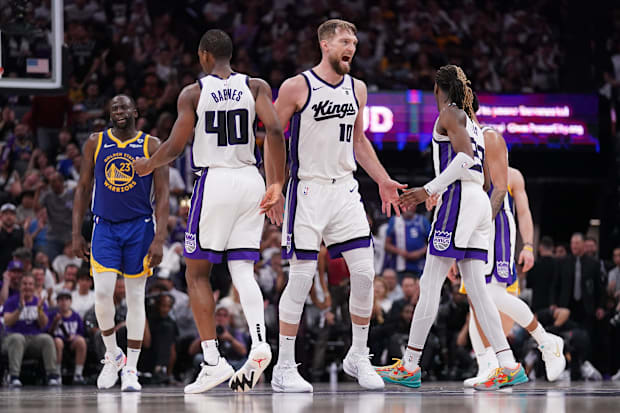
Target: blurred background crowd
{"type": "Point", "coordinates": [147, 49]}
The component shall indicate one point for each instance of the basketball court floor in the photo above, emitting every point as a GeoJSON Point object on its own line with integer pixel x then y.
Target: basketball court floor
{"type": "Point", "coordinates": [448, 397]}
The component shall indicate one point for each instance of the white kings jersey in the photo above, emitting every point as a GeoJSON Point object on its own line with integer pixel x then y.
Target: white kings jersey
{"type": "Point", "coordinates": [322, 131]}
{"type": "Point", "coordinates": [224, 133]}
{"type": "Point", "coordinates": [443, 153]}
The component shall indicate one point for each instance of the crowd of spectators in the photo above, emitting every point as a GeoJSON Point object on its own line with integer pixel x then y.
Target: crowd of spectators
{"type": "Point", "coordinates": [149, 52]}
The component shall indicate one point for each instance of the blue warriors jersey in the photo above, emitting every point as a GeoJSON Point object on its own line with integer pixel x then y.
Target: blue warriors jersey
{"type": "Point", "coordinates": [120, 194]}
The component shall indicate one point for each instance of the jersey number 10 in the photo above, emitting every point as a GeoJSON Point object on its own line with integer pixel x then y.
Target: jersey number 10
{"type": "Point", "coordinates": [345, 132]}
{"type": "Point", "coordinates": [231, 126]}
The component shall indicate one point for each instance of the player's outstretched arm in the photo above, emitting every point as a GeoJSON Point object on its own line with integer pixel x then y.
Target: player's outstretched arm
{"type": "Point", "coordinates": [367, 157]}
{"type": "Point", "coordinates": [453, 121]}
{"type": "Point", "coordinates": [275, 149]}
{"type": "Point", "coordinates": [181, 132]}
{"type": "Point", "coordinates": [82, 195]}
{"type": "Point", "coordinates": [496, 157]}
{"type": "Point", "coordinates": [524, 216]}
{"type": "Point", "coordinates": [161, 185]}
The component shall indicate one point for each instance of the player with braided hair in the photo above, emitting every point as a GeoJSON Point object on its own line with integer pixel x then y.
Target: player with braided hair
{"type": "Point", "coordinates": [460, 232]}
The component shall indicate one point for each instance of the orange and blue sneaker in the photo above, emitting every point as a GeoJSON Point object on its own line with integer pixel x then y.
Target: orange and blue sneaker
{"type": "Point", "coordinates": [398, 374]}
{"type": "Point", "coordinates": [503, 377]}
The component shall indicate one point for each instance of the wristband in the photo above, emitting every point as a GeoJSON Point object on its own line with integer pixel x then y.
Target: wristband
{"type": "Point", "coordinates": [529, 248]}
{"type": "Point", "coordinates": [428, 191]}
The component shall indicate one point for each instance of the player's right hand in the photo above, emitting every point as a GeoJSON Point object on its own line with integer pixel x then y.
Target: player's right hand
{"type": "Point", "coordinates": [142, 166]}
{"type": "Point", "coordinates": [273, 204]}
{"type": "Point", "coordinates": [431, 201]}
{"type": "Point", "coordinates": [80, 248]}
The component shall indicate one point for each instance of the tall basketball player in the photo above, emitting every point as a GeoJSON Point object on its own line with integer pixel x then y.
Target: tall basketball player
{"type": "Point", "coordinates": [126, 239]}
{"type": "Point", "coordinates": [507, 194]}
{"type": "Point", "coordinates": [323, 203]}
{"type": "Point", "coordinates": [229, 200]}
{"type": "Point", "coordinates": [460, 231]}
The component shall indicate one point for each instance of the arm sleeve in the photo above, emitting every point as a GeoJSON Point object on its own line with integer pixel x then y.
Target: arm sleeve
{"type": "Point", "coordinates": [457, 169]}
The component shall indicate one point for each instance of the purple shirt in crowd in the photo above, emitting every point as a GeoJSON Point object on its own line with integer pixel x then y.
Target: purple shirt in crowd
{"type": "Point", "coordinates": [68, 326]}
{"type": "Point", "coordinates": [27, 323]}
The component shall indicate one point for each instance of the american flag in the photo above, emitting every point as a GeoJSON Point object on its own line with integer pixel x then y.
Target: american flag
{"type": "Point", "coordinates": [37, 65]}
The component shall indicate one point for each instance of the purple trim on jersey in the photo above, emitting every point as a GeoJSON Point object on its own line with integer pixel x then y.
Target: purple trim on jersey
{"type": "Point", "coordinates": [353, 89]}
{"type": "Point", "coordinates": [337, 85]}
{"type": "Point", "coordinates": [294, 154]}
{"type": "Point", "coordinates": [192, 233]}
{"type": "Point", "coordinates": [301, 254]}
{"type": "Point", "coordinates": [243, 254]}
{"type": "Point", "coordinates": [503, 269]}
{"type": "Point", "coordinates": [290, 219]}
{"type": "Point", "coordinates": [336, 250]}
{"type": "Point", "coordinates": [446, 154]}
{"type": "Point", "coordinates": [215, 257]}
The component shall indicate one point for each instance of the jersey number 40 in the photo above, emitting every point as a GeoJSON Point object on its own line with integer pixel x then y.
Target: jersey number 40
{"type": "Point", "coordinates": [231, 126]}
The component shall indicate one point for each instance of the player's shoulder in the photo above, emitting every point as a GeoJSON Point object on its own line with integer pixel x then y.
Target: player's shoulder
{"type": "Point", "coordinates": [191, 92]}
{"type": "Point", "coordinates": [515, 178]}
{"type": "Point", "coordinates": [493, 138]}
{"type": "Point", "coordinates": [452, 115]}
{"type": "Point", "coordinates": [257, 84]}
{"type": "Point", "coordinates": [297, 83]}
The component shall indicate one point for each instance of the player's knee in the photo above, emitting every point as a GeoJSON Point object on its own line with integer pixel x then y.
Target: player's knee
{"type": "Point", "coordinates": [293, 299]}
{"type": "Point", "coordinates": [362, 293]}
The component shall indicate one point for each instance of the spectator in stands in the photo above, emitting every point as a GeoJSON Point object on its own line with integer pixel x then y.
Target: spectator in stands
{"type": "Point", "coordinates": [591, 249]}
{"type": "Point", "coordinates": [394, 291]}
{"type": "Point", "coordinates": [58, 201]}
{"type": "Point", "coordinates": [70, 274]}
{"type": "Point", "coordinates": [540, 277]}
{"type": "Point", "coordinates": [411, 292]}
{"type": "Point", "coordinates": [45, 294]}
{"type": "Point", "coordinates": [37, 231]}
{"type": "Point", "coordinates": [11, 234]}
{"type": "Point", "coordinates": [560, 251]}
{"type": "Point", "coordinates": [83, 298]}
{"type": "Point", "coordinates": [233, 343]}
{"type": "Point", "coordinates": [67, 328]}
{"type": "Point", "coordinates": [11, 280]}
{"type": "Point", "coordinates": [25, 319]}
{"type": "Point", "coordinates": [159, 358]}
{"type": "Point", "coordinates": [381, 297]}
{"type": "Point", "coordinates": [25, 209]}
{"type": "Point", "coordinates": [65, 259]}
{"type": "Point", "coordinates": [613, 283]}
{"type": "Point", "coordinates": [406, 239]}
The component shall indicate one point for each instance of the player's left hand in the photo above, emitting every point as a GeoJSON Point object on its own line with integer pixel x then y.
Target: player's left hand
{"type": "Point", "coordinates": [411, 198]}
{"type": "Point", "coordinates": [526, 259]}
{"type": "Point", "coordinates": [142, 166]}
{"type": "Point", "coordinates": [388, 191]}
{"type": "Point", "coordinates": [431, 201]}
{"type": "Point", "coordinates": [156, 253]}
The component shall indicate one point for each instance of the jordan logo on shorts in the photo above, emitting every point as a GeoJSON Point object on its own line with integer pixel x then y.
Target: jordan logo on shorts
{"type": "Point", "coordinates": [190, 242]}
{"type": "Point", "coordinates": [441, 240]}
{"type": "Point", "coordinates": [503, 268]}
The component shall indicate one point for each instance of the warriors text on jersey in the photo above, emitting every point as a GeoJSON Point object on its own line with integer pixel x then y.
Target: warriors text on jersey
{"type": "Point", "coordinates": [225, 131]}
{"type": "Point", "coordinates": [120, 194]}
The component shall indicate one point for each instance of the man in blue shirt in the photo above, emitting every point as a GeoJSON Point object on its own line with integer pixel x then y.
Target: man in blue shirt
{"type": "Point", "coordinates": [406, 239]}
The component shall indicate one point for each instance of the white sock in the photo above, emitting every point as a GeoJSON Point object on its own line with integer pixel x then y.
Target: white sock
{"type": "Point", "coordinates": [360, 337]}
{"type": "Point", "coordinates": [487, 360]}
{"type": "Point", "coordinates": [132, 358]}
{"type": "Point", "coordinates": [539, 334]}
{"type": "Point", "coordinates": [286, 351]}
{"type": "Point", "coordinates": [412, 359]}
{"type": "Point", "coordinates": [210, 352]}
{"type": "Point", "coordinates": [506, 359]}
{"type": "Point", "coordinates": [79, 369]}
{"type": "Point", "coordinates": [111, 345]}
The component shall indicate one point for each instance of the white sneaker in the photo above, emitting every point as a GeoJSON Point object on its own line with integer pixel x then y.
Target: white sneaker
{"type": "Point", "coordinates": [482, 376]}
{"type": "Point", "coordinates": [111, 366]}
{"type": "Point", "coordinates": [358, 365]}
{"type": "Point", "coordinates": [129, 380]}
{"type": "Point", "coordinates": [211, 376]}
{"type": "Point", "coordinates": [589, 372]}
{"type": "Point", "coordinates": [553, 355]}
{"type": "Point", "coordinates": [616, 377]}
{"type": "Point", "coordinates": [247, 376]}
{"type": "Point", "coordinates": [286, 379]}
{"type": "Point", "coordinates": [14, 382]}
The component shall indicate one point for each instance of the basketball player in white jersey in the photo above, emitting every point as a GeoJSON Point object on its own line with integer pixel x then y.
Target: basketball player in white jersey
{"type": "Point", "coordinates": [460, 231]}
{"type": "Point", "coordinates": [323, 203]}
{"type": "Point", "coordinates": [508, 193]}
{"type": "Point", "coordinates": [229, 199]}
